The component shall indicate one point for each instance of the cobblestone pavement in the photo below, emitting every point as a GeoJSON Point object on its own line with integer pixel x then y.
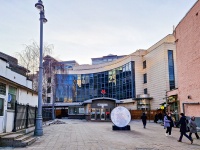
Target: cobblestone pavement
{"type": "Point", "coordinates": [83, 135]}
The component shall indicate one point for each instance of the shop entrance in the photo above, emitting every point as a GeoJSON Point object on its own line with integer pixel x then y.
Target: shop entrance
{"type": "Point", "coordinates": [100, 114]}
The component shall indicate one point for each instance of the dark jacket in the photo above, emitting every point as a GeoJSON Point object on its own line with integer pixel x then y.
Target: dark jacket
{"type": "Point", "coordinates": [171, 121]}
{"type": "Point", "coordinates": [182, 122]}
{"type": "Point", "coordinates": [144, 118]}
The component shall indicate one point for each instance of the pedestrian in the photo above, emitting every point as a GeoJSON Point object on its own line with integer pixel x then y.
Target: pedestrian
{"type": "Point", "coordinates": [160, 116]}
{"type": "Point", "coordinates": [156, 118]}
{"type": "Point", "coordinates": [183, 128]}
{"type": "Point", "coordinates": [193, 127]}
{"type": "Point", "coordinates": [144, 119]}
{"type": "Point", "coordinates": [167, 125]}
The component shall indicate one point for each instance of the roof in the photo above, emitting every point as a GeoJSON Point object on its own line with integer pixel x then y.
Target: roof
{"type": "Point", "coordinates": [59, 104]}
{"type": "Point", "coordinates": [3, 59]}
{"type": "Point", "coordinates": [101, 98]}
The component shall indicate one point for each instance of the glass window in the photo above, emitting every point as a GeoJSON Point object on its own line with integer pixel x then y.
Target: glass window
{"type": "Point", "coordinates": [145, 91]}
{"type": "Point", "coordinates": [49, 80]}
{"type": "Point", "coordinates": [117, 82]}
{"type": "Point", "coordinates": [171, 69]}
{"type": "Point", "coordinates": [144, 64]}
{"type": "Point", "coordinates": [12, 93]}
{"type": "Point", "coordinates": [48, 99]}
{"type": "Point", "coordinates": [145, 78]}
{"type": "Point", "coordinates": [2, 89]}
{"type": "Point", "coordinates": [48, 89]}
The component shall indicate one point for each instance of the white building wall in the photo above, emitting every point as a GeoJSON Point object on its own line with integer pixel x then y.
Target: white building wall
{"type": "Point", "coordinates": [6, 72]}
{"type": "Point", "coordinates": [138, 75]}
{"type": "Point", "coordinates": [27, 97]}
{"type": "Point", "coordinates": [23, 85]}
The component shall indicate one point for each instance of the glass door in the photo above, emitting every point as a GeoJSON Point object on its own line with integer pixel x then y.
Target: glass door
{"type": "Point", "coordinates": [97, 114]}
{"type": "Point", "coordinates": [102, 114]}
{"type": "Point", "coordinates": [93, 115]}
{"type": "Point", "coordinates": [107, 117]}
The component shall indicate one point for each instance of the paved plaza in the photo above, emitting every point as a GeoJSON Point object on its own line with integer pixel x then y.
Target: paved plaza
{"type": "Point", "coordinates": [84, 135]}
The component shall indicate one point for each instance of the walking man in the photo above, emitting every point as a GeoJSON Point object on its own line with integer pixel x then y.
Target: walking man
{"type": "Point", "coordinates": [144, 119]}
{"type": "Point", "coordinates": [183, 128]}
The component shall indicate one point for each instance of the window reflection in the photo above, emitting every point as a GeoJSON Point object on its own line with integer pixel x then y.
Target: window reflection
{"type": "Point", "coordinates": [119, 83]}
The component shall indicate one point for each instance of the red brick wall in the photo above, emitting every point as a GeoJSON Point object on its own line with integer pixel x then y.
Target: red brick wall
{"type": "Point", "coordinates": [187, 35]}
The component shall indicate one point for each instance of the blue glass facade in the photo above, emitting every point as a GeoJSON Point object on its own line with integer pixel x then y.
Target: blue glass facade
{"type": "Point", "coordinates": [171, 70]}
{"type": "Point", "coordinates": [118, 83]}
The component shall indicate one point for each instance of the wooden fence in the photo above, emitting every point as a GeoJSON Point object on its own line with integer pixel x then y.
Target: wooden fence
{"type": "Point", "coordinates": [136, 114]}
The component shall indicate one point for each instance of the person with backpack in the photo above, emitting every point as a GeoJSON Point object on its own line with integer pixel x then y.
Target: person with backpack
{"type": "Point", "coordinates": [193, 127]}
{"type": "Point", "coordinates": [183, 128]}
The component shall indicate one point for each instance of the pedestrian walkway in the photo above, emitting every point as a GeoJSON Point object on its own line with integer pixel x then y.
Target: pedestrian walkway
{"type": "Point", "coordinates": [84, 135]}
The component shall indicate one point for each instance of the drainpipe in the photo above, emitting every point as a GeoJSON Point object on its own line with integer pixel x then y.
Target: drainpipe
{"type": "Point", "coordinates": [197, 103]}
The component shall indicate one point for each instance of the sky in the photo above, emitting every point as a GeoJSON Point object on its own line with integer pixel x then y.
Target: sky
{"type": "Point", "coordinates": [84, 29]}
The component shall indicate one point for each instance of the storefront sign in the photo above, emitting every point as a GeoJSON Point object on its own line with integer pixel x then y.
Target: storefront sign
{"type": "Point", "coordinates": [102, 104]}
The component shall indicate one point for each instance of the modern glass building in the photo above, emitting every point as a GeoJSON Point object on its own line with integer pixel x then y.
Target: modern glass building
{"type": "Point", "coordinates": [138, 81]}
{"type": "Point", "coordinates": [118, 83]}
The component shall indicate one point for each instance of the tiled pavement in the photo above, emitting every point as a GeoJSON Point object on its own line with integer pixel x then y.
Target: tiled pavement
{"type": "Point", "coordinates": [83, 135]}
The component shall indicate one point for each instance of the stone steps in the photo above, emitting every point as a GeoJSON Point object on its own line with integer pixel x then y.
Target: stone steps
{"type": "Point", "coordinates": [17, 139]}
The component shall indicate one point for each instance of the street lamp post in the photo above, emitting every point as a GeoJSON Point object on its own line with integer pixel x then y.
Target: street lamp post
{"type": "Point", "coordinates": [38, 127]}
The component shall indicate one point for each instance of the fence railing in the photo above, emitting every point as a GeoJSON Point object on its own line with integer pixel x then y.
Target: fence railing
{"type": "Point", "coordinates": [46, 114]}
{"type": "Point", "coordinates": [25, 116]}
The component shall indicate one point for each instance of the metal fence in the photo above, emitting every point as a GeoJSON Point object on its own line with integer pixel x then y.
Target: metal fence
{"type": "Point", "coordinates": [46, 114]}
{"type": "Point", "coordinates": [25, 116]}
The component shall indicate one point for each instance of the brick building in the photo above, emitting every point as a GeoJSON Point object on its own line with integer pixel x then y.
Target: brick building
{"type": "Point", "coordinates": [187, 35]}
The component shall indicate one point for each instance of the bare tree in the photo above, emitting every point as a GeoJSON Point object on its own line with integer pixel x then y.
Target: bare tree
{"type": "Point", "coordinates": [29, 57]}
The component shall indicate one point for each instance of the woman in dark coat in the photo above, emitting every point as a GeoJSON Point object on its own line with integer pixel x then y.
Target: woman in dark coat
{"type": "Point", "coordinates": [183, 128]}
{"type": "Point", "coordinates": [144, 119]}
{"type": "Point", "coordinates": [193, 127]}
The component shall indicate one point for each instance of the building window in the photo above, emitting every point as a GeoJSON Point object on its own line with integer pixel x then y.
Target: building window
{"type": "Point", "coordinates": [145, 78]}
{"type": "Point", "coordinates": [171, 70]}
{"type": "Point", "coordinates": [2, 89]}
{"type": "Point", "coordinates": [48, 89]}
{"type": "Point", "coordinates": [12, 93]}
{"type": "Point", "coordinates": [118, 83]}
{"type": "Point", "coordinates": [49, 80]}
{"type": "Point", "coordinates": [48, 99]}
{"type": "Point", "coordinates": [145, 91]}
{"type": "Point", "coordinates": [144, 64]}
{"type": "Point", "coordinates": [1, 106]}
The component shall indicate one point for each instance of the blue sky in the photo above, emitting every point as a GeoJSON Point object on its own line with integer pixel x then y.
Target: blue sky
{"type": "Point", "coordinates": [85, 29]}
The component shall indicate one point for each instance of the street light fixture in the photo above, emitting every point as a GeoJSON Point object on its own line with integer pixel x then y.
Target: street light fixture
{"type": "Point", "coordinates": [38, 127]}
{"type": "Point", "coordinates": [39, 5]}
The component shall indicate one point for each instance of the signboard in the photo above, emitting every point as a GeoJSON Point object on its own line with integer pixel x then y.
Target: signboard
{"type": "Point", "coordinates": [103, 92]}
{"type": "Point", "coordinates": [102, 104]}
